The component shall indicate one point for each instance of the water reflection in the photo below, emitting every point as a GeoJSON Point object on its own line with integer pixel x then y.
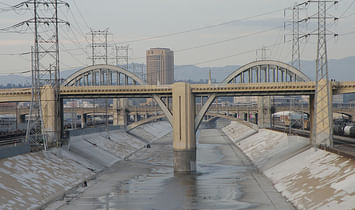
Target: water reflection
{"type": "Point", "coordinates": [213, 187]}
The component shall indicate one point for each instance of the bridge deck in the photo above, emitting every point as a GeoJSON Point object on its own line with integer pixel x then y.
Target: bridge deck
{"type": "Point", "coordinates": [251, 89]}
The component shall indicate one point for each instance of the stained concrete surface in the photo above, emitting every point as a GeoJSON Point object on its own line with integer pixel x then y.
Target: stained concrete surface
{"type": "Point", "coordinates": [33, 180]}
{"type": "Point", "coordinates": [225, 179]}
{"type": "Point", "coordinates": [309, 178]}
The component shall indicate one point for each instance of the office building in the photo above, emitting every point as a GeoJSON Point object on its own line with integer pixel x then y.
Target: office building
{"type": "Point", "coordinates": [160, 66]}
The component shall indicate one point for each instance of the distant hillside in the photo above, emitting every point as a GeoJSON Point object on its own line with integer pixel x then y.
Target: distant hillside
{"type": "Point", "coordinates": [15, 79]}
{"type": "Point", "coordinates": [339, 69]}
{"type": "Point", "coordinates": [195, 73]}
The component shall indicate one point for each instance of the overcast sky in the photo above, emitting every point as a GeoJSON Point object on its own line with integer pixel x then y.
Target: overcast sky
{"type": "Point", "coordinates": [201, 32]}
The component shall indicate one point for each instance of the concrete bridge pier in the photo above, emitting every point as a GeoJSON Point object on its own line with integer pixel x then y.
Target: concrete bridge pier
{"type": "Point", "coordinates": [264, 112]}
{"type": "Point", "coordinates": [311, 117]}
{"type": "Point", "coordinates": [83, 118]}
{"type": "Point", "coordinates": [119, 112]}
{"type": "Point", "coordinates": [322, 117]}
{"type": "Point", "coordinates": [184, 140]}
{"type": "Point", "coordinates": [52, 115]}
{"type": "Point", "coordinates": [20, 118]}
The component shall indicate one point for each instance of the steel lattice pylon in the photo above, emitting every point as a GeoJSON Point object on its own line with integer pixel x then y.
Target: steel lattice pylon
{"type": "Point", "coordinates": [323, 118]}
{"type": "Point", "coordinates": [296, 62]}
{"type": "Point", "coordinates": [45, 69]}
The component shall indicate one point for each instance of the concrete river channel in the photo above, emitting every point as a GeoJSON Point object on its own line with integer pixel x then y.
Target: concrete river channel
{"type": "Point", "coordinates": [225, 179]}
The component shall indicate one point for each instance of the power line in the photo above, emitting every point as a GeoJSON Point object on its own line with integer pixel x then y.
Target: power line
{"type": "Point", "coordinates": [228, 40]}
{"type": "Point", "coordinates": [81, 15]}
{"type": "Point", "coordinates": [77, 43]}
{"type": "Point", "coordinates": [347, 33]}
{"type": "Point", "coordinates": [220, 42]}
{"type": "Point", "coordinates": [347, 9]}
{"type": "Point", "coordinates": [237, 54]}
{"type": "Point", "coordinates": [71, 54]}
{"type": "Point", "coordinates": [16, 72]}
{"type": "Point", "coordinates": [204, 27]}
{"type": "Point", "coordinates": [11, 54]}
{"type": "Point", "coordinates": [77, 23]}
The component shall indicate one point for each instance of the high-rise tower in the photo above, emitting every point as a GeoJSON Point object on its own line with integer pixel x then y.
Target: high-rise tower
{"type": "Point", "coordinates": [160, 66]}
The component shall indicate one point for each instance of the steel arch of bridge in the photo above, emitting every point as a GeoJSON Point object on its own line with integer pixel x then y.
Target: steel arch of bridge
{"type": "Point", "coordinates": [255, 72]}
{"type": "Point", "coordinates": [106, 75]}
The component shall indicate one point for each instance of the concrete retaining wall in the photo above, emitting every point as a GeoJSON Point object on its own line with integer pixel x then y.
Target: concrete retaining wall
{"type": "Point", "coordinates": [10, 151]}
{"type": "Point", "coordinates": [308, 178]}
{"type": "Point", "coordinates": [32, 180]}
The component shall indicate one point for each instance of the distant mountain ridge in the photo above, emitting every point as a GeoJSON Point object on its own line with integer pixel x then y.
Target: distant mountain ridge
{"type": "Point", "coordinates": [339, 69]}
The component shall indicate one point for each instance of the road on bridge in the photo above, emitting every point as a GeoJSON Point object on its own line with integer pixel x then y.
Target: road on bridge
{"type": "Point", "coordinates": [225, 179]}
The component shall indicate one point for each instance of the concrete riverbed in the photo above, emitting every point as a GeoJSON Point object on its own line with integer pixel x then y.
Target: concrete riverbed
{"type": "Point", "coordinates": [225, 179]}
{"type": "Point", "coordinates": [238, 167]}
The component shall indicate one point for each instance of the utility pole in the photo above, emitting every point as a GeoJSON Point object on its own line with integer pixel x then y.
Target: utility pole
{"type": "Point", "coordinates": [45, 67]}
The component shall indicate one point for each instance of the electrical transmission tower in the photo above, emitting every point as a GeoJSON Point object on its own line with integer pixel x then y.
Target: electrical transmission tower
{"type": "Point", "coordinates": [297, 35]}
{"type": "Point", "coordinates": [99, 46]}
{"type": "Point", "coordinates": [296, 61]}
{"type": "Point", "coordinates": [322, 133]}
{"type": "Point", "coordinates": [45, 68]}
{"type": "Point", "coordinates": [99, 54]}
{"type": "Point", "coordinates": [263, 53]}
{"type": "Point", "coordinates": [122, 56]}
{"type": "Point", "coordinates": [296, 56]}
{"type": "Point", "coordinates": [323, 120]}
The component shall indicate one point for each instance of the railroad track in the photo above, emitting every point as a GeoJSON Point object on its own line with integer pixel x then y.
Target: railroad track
{"type": "Point", "coordinates": [5, 141]}
{"type": "Point", "coordinates": [13, 137]}
{"type": "Point", "coordinates": [342, 145]}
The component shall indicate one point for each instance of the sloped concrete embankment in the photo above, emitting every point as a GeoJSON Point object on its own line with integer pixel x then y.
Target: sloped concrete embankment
{"type": "Point", "coordinates": [309, 178]}
{"type": "Point", "coordinates": [32, 180]}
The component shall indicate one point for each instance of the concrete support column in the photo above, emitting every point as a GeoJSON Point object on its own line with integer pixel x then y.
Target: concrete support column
{"type": "Point", "coordinates": [21, 118]}
{"type": "Point", "coordinates": [119, 112]}
{"type": "Point", "coordinates": [323, 115]}
{"type": "Point", "coordinates": [61, 118]}
{"type": "Point", "coordinates": [17, 116]}
{"type": "Point", "coordinates": [245, 115]}
{"type": "Point", "coordinates": [311, 116]}
{"type": "Point", "coordinates": [184, 141]}
{"type": "Point", "coordinates": [51, 121]}
{"type": "Point", "coordinates": [264, 112]}
{"type": "Point", "coordinates": [93, 78]}
{"type": "Point", "coordinates": [83, 120]}
{"type": "Point", "coordinates": [115, 111]}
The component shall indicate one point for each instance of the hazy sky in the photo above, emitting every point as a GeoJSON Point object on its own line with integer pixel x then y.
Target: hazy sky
{"type": "Point", "coordinates": [224, 40]}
